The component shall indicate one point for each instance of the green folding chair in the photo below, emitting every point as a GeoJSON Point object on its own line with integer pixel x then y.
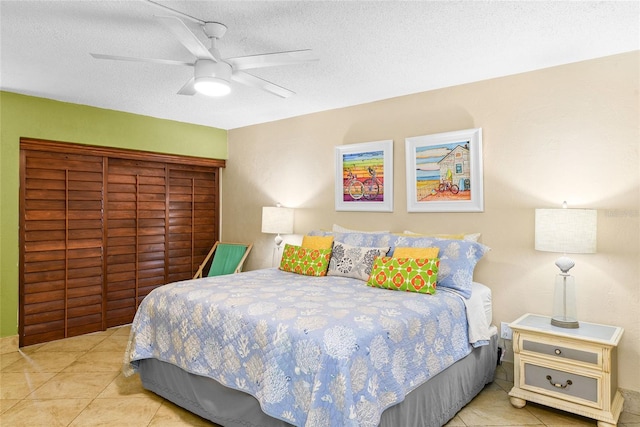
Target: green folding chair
{"type": "Point", "coordinates": [228, 258]}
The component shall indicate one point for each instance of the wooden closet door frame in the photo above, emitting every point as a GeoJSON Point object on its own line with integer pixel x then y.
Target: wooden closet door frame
{"type": "Point", "coordinates": [32, 144]}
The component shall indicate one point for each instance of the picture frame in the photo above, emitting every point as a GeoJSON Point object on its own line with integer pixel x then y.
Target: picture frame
{"type": "Point", "coordinates": [444, 172]}
{"type": "Point", "coordinates": [364, 177]}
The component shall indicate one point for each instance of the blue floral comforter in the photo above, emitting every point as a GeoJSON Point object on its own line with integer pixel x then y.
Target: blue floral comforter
{"type": "Point", "coordinates": [314, 351]}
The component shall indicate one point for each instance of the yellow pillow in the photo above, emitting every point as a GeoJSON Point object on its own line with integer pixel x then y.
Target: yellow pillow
{"type": "Point", "coordinates": [317, 242]}
{"type": "Point", "coordinates": [418, 253]}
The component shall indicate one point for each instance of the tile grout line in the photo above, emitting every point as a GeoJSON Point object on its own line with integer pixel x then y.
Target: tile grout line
{"type": "Point", "coordinates": [154, 415]}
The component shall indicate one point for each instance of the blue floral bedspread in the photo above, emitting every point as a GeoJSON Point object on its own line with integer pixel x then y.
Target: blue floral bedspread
{"type": "Point", "coordinates": [314, 351]}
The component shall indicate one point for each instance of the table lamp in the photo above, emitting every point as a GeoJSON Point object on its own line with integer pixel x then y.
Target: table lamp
{"type": "Point", "coordinates": [277, 220]}
{"type": "Point", "coordinates": [565, 231]}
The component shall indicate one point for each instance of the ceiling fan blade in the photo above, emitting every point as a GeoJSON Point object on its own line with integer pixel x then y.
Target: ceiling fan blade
{"type": "Point", "coordinates": [186, 37]}
{"type": "Point", "coordinates": [253, 81]}
{"type": "Point", "coordinates": [272, 59]}
{"type": "Point", "coordinates": [152, 60]}
{"type": "Point", "coordinates": [188, 88]}
{"type": "Point", "coordinates": [165, 8]}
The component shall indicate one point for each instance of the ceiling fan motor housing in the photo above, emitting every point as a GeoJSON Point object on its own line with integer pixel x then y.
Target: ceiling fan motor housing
{"type": "Point", "coordinates": [212, 78]}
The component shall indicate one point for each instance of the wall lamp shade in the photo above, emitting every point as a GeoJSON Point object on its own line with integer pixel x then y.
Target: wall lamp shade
{"type": "Point", "coordinates": [565, 231]}
{"type": "Point", "coordinates": [277, 220]}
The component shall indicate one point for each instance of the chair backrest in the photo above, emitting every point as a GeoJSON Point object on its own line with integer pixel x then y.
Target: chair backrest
{"type": "Point", "coordinates": [228, 259]}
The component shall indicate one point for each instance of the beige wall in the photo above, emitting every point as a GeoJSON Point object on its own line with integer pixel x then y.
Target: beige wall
{"type": "Point", "coordinates": [565, 133]}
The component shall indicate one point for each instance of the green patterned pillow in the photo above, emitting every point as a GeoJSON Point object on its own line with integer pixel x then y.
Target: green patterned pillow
{"type": "Point", "coordinates": [405, 274]}
{"type": "Point", "coordinates": [309, 262]}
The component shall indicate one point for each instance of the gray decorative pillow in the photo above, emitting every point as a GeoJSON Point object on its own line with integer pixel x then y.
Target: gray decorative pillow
{"type": "Point", "coordinates": [353, 261]}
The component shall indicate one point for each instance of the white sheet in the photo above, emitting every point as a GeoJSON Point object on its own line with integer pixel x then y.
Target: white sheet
{"type": "Point", "coordinates": [479, 314]}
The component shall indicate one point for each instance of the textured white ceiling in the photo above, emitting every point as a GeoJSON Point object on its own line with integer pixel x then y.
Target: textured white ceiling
{"type": "Point", "coordinates": [368, 50]}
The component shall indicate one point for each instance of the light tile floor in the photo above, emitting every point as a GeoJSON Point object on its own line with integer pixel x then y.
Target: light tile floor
{"type": "Point", "coordinates": [77, 382]}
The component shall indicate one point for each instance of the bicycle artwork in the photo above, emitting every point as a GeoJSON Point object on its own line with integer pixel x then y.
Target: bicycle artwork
{"type": "Point", "coordinates": [369, 188]}
{"type": "Point", "coordinates": [354, 187]}
{"type": "Point", "coordinates": [361, 170]}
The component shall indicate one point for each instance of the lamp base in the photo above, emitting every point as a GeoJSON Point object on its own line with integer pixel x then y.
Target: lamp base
{"type": "Point", "coordinates": [564, 302]}
{"type": "Point", "coordinates": [565, 322]}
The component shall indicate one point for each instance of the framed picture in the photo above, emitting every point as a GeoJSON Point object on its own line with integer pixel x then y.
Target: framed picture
{"type": "Point", "coordinates": [444, 172]}
{"type": "Point", "coordinates": [364, 177]}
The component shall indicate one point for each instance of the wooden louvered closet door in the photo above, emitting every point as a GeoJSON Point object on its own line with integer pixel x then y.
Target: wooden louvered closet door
{"type": "Point", "coordinates": [136, 241]}
{"type": "Point", "coordinates": [62, 245]}
{"type": "Point", "coordinates": [193, 218]}
{"type": "Point", "coordinates": [101, 228]}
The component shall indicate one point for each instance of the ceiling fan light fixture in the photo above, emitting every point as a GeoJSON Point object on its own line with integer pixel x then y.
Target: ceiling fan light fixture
{"type": "Point", "coordinates": [212, 86]}
{"type": "Point", "coordinates": [212, 78]}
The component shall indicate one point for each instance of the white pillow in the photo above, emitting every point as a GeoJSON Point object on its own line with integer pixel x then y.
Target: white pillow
{"type": "Point", "coordinates": [472, 237]}
{"type": "Point", "coordinates": [338, 229]}
{"type": "Point", "coordinates": [353, 261]}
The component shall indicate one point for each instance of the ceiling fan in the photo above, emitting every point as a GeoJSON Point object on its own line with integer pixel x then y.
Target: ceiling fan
{"type": "Point", "coordinates": [212, 73]}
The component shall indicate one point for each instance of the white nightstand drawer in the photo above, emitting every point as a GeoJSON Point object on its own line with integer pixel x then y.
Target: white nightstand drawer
{"type": "Point", "coordinates": [561, 351]}
{"type": "Point", "coordinates": [561, 384]}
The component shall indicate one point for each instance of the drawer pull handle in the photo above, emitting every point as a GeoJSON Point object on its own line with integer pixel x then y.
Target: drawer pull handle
{"type": "Point", "coordinates": [558, 385]}
{"type": "Point", "coordinates": [558, 351]}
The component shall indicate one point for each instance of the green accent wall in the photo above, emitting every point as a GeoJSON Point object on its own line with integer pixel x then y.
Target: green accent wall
{"type": "Point", "coordinates": [27, 116]}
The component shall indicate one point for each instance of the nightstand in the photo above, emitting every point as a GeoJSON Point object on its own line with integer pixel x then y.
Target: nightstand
{"type": "Point", "coordinates": [569, 369]}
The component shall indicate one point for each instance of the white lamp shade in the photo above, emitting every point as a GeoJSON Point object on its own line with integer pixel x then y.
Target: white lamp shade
{"type": "Point", "coordinates": [566, 230]}
{"type": "Point", "coordinates": [277, 220]}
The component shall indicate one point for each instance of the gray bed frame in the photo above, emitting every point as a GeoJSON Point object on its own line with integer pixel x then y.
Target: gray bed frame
{"type": "Point", "coordinates": [432, 404]}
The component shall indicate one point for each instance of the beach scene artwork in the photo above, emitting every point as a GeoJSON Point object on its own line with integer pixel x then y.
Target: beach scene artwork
{"type": "Point", "coordinates": [443, 172]}
{"type": "Point", "coordinates": [363, 177]}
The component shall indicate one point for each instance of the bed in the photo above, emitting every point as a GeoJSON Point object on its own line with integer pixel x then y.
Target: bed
{"type": "Point", "coordinates": [275, 348]}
